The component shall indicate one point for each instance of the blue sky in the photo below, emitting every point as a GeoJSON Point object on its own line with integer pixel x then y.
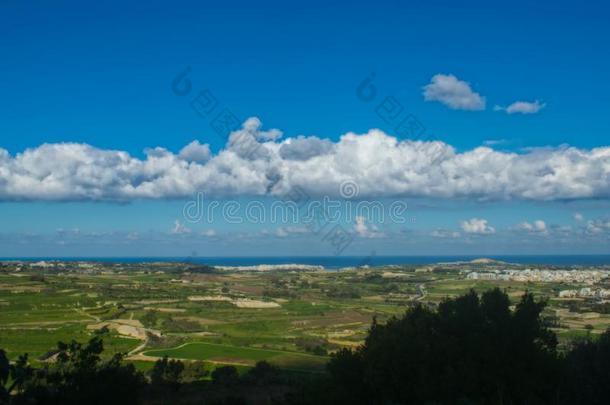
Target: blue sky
{"type": "Point", "coordinates": [101, 74]}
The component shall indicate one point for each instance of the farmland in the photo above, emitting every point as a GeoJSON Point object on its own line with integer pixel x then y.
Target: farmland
{"type": "Point", "coordinates": [292, 318]}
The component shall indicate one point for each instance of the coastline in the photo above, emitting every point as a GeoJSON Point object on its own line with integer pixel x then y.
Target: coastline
{"type": "Point", "coordinates": [336, 262]}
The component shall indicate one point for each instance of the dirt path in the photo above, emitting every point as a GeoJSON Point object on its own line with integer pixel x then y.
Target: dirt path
{"type": "Point", "coordinates": [239, 347]}
{"type": "Point", "coordinates": [42, 323]}
{"type": "Point", "coordinates": [88, 315]}
{"type": "Point", "coordinates": [421, 291]}
{"type": "Point", "coordinates": [143, 357]}
{"type": "Point", "coordinates": [137, 349]}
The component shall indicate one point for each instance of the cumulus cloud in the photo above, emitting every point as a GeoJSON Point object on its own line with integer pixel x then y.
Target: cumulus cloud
{"type": "Point", "coordinates": [597, 226]}
{"type": "Point", "coordinates": [195, 152]}
{"type": "Point", "coordinates": [477, 226]}
{"type": "Point", "coordinates": [304, 148]}
{"type": "Point", "coordinates": [454, 93]}
{"type": "Point", "coordinates": [253, 127]}
{"type": "Point", "coordinates": [522, 107]}
{"type": "Point", "coordinates": [256, 163]}
{"type": "Point", "coordinates": [365, 231]}
{"type": "Point", "coordinates": [538, 226]}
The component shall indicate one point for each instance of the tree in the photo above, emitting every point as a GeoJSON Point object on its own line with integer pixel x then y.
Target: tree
{"type": "Point", "coordinates": [225, 375]}
{"type": "Point", "coordinates": [150, 319]}
{"type": "Point", "coordinates": [587, 371]}
{"type": "Point", "coordinates": [472, 348]}
{"type": "Point", "coordinates": [194, 371]}
{"type": "Point", "coordinates": [20, 373]}
{"type": "Point", "coordinates": [263, 373]}
{"type": "Point", "coordinates": [78, 376]}
{"type": "Point", "coordinates": [4, 374]}
{"type": "Point", "coordinates": [347, 377]}
{"type": "Point", "coordinates": [167, 372]}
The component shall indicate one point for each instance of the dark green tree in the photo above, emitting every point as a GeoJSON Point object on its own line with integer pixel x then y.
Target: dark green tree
{"type": "Point", "coordinates": [194, 371]}
{"type": "Point", "coordinates": [167, 372]}
{"type": "Point", "coordinates": [4, 375]}
{"type": "Point", "coordinates": [472, 348]}
{"type": "Point", "coordinates": [587, 371]}
{"type": "Point", "coordinates": [20, 373]}
{"type": "Point", "coordinates": [225, 375]}
{"type": "Point", "coordinates": [263, 373]}
{"type": "Point", "coordinates": [79, 376]}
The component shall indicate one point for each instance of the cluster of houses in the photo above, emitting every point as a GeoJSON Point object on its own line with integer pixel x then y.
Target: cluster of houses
{"type": "Point", "coordinates": [586, 292]}
{"type": "Point", "coordinates": [588, 277]}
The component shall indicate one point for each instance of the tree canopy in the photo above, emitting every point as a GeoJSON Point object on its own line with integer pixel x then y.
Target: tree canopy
{"type": "Point", "coordinates": [472, 348]}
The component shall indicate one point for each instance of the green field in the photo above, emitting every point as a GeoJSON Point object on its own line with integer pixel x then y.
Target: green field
{"type": "Point", "coordinates": [294, 320]}
{"type": "Point", "coordinates": [240, 355]}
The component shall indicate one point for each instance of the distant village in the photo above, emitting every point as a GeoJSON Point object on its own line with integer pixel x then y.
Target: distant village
{"type": "Point", "coordinates": [589, 277]}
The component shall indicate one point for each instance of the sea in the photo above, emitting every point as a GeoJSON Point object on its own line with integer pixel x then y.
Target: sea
{"type": "Point", "coordinates": [335, 262]}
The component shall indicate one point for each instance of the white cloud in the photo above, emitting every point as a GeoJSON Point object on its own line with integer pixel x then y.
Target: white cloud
{"type": "Point", "coordinates": [253, 126]}
{"type": "Point", "coordinates": [284, 231]}
{"type": "Point", "coordinates": [195, 152]}
{"type": "Point", "coordinates": [179, 229]}
{"type": "Point", "coordinates": [598, 226]}
{"type": "Point", "coordinates": [578, 216]}
{"type": "Point", "coordinates": [477, 226]}
{"type": "Point", "coordinates": [522, 107]}
{"type": "Point", "coordinates": [365, 231]}
{"type": "Point", "coordinates": [443, 233]}
{"type": "Point", "coordinates": [538, 226]}
{"type": "Point", "coordinates": [454, 93]}
{"type": "Point", "coordinates": [133, 236]}
{"type": "Point", "coordinates": [303, 148]}
{"type": "Point", "coordinates": [252, 164]}
{"type": "Point", "coordinates": [208, 232]}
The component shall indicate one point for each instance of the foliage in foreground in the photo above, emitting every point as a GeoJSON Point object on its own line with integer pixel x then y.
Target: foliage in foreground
{"type": "Point", "coordinates": [77, 375]}
{"type": "Point", "coordinates": [472, 349]}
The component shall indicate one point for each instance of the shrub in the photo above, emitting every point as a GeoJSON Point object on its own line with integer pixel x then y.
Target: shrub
{"type": "Point", "coordinates": [225, 375]}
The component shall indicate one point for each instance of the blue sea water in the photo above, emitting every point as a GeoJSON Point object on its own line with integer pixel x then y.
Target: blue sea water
{"type": "Point", "coordinates": [333, 262]}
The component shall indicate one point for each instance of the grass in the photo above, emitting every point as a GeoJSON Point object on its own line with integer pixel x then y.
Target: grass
{"type": "Point", "coordinates": [37, 342]}
{"type": "Point", "coordinates": [241, 355]}
{"type": "Point", "coordinates": [146, 366]}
